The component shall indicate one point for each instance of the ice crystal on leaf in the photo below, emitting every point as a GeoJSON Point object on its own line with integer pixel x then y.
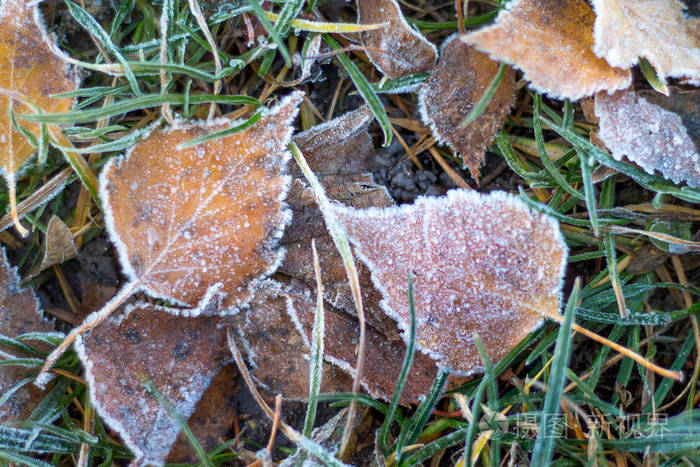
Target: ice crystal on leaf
{"type": "Point", "coordinates": [397, 49]}
{"type": "Point", "coordinates": [653, 29]}
{"type": "Point", "coordinates": [551, 41]}
{"type": "Point", "coordinates": [459, 80]}
{"type": "Point", "coordinates": [648, 135]}
{"type": "Point", "coordinates": [19, 314]}
{"type": "Point", "coordinates": [31, 70]}
{"type": "Point", "coordinates": [483, 264]}
{"type": "Point", "coordinates": [149, 346]}
{"type": "Point", "coordinates": [202, 222]}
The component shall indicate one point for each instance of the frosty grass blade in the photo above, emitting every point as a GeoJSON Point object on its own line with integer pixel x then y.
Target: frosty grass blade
{"type": "Point", "coordinates": [455, 86]}
{"type": "Point", "coordinates": [19, 314]}
{"type": "Point", "coordinates": [483, 264]}
{"type": "Point", "coordinates": [202, 223]}
{"type": "Point", "coordinates": [198, 226]}
{"type": "Point", "coordinates": [648, 135]}
{"type": "Point", "coordinates": [397, 49]}
{"type": "Point", "coordinates": [31, 70]}
{"type": "Point", "coordinates": [149, 345]}
{"type": "Point", "coordinates": [654, 29]}
{"type": "Point", "coordinates": [551, 41]}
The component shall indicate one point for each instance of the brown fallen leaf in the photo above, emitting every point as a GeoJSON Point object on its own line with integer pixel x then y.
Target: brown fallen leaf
{"type": "Point", "coordinates": [648, 135]}
{"type": "Point", "coordinates": [197, 226]}
{"type": "Point", "coordinates": [58, 245]}
{"type": "Point", "coordinates": [19, 314]}
{"type": "Point", "coordinates": [397, 49]}
{"type": "Point", "coordinates": [453, 89]}
{"type": "Point", "coordinates": [551, 41]}
{"type": "Point", "coordinates": [30, 72]}
{"type": "Point", "coordinates": [656, 30]}
{"type": "Point", "coordinates": [148, 345]}
{"type": "Point", "coordinates": [483, 264]}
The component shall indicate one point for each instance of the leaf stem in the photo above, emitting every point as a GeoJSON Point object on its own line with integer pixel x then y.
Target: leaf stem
{"type": "Point", "coordinates": [11, 186]}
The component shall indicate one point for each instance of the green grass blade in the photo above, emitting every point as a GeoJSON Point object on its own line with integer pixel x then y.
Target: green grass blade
{"type": "Point", "coordinates": [225, 132]}
{"type": "Point", "coordinates": [486, 98]}
{"type": "Point", "coordinates": [271, 30]}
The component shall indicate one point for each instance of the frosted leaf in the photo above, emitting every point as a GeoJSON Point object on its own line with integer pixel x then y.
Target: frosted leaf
{"type": "Point", "coordinates": [29, 70]}
{"type": "Point", "coordinates": [397, 49]}
{"type": "Point", "coordinates": [482, 264]}
{"type": "Point", "coordinates": [179, 356]}
{"type": "Point", "coordinates": [648, 135]}
{"type": "Point", "coordinates": [202, 223]}
{"type": "Point", "coordinates": [654, 29]}
{"type": "Point", "coordinates": [58, 245]}
{"type": "Point", "coordinates": [19, 314]}
{"type": "Point", "coordinates": [551, 41]}
{"type": "Point", "coordinates": [457, 83]}
{"type": "Point", "coordinates": [278, 355]}
{"type": "Point", "coordinates": [213, 417]}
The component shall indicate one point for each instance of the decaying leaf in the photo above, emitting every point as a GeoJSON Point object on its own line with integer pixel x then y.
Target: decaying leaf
{"type": "Point", "coordinates": [202, 223]}
{"type": "Point", "coordinates": [19, 314]}
{"type": "Point", "coordinates": [483, 264]}
{"type": "Point", "coordinates": [30, 71]}
{"type": "Point", "coordinates": [456, 85]}
{"type": "Point", "coordinates": [397, 49]}
{"type": "Point", "coordinates": [648, 135]}
{"type": "Point", "coordinates": [653, 29]}
{"type": "Point", "coordinates": [551, 41]}
{"type": "Point", "coordinates": [147, 345]}
{"type": "Point", "coordinates": [58, 245]}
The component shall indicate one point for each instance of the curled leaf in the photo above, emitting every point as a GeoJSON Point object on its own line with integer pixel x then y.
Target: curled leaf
{"type": "Point", "coordinates": [202, 223]}
{"type": "Point", "coordinates": [58, 245]}
{"type": "Point", "coordinates": [483, 264]}
{"type": "Point", "coordinates": [551, 41]}
{"type": "Point", "coordinates": [31, 71]}
{"type": "Point", "coordinates": [397, 49]}
{"type": "Point", "coordinates": [653, 29]}
{"type": "Point", "coordinates": [453, 89]}
{"type": "Point", "coordinates": [648, 135]}
{"type": "Point", "coordinates": [19, 314]}
{"type": "Point", "coordinates": [149, 346]}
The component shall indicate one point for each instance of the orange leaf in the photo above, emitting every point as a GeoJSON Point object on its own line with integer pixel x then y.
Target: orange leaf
{"type": "Point", "coordinates": [654, 29]}
{"type": "Point", "coordinates": [648, 135]}
{"type": "Point", "coordinates": [31, 70]}
{"type": "Point", "coordinates": [397, 49]}
{"type": "Point", "coordinates": [460, 79]}
{"type": "Point", "coordinates": [200, 223]}
{"type": "Point", "coordinates": [19, 314]}
{"type": "Point", "coordinates": [551, 41]}
{"type": "Point", "coordinates": [483, 264]}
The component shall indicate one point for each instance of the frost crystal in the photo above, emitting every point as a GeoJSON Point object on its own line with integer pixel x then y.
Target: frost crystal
{"type": "Point", "coordinates": [483, 264]}
{"type": "Point", "coordinates": [648, 135]}
{"type": "Point", "coordinates": [149, 345]}
{"type": "Point", "coordinates": [552, 42]}
{"type": "Point", "coordinates": [202, 224]}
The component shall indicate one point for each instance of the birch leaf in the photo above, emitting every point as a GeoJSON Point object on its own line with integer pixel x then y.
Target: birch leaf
{"type": "Point", "coordinates": [203, 222]}
{"type": "Point", "coordinates": [19, 314]}
{"type": "Point", "coordinates": [397, 49]}
{"type": "Point", "coordinates": [178, 356]}
{"type": "Point", "coordinates": [31, 70]}
{"type": "Point", "coordinates": [648, 135]}
{"type": "Point", "coordinates": [654, 29]}
{"type": "Point", "coordinates": [551, 41]}
{"type": "Point", "coordinates": [458, 82]}
{"type": "Point", "coordinates": [483, 264]}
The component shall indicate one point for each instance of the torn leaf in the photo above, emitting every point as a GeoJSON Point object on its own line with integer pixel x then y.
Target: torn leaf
{"type": "Point", "coordinates": [147, 345]}
{"type": "Point", "coordinates": [30, 72]}
{"type": "Point", "coordinates": [656, 30]}
{"type": "Point", "coordinates": [458, 82]}
{"type": "Point", "coordinates": [648, 135]}
{"type": "Point", "coordinates": [397, 49]}
{"type": "Point", "coordinates": [202, 223]}
{"type": "Point", "coordinates": [551, 41]}
{"type": "Point", "coordinates": [483, 264]}
{"type": "Point", "coordinates": [19, 314]}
